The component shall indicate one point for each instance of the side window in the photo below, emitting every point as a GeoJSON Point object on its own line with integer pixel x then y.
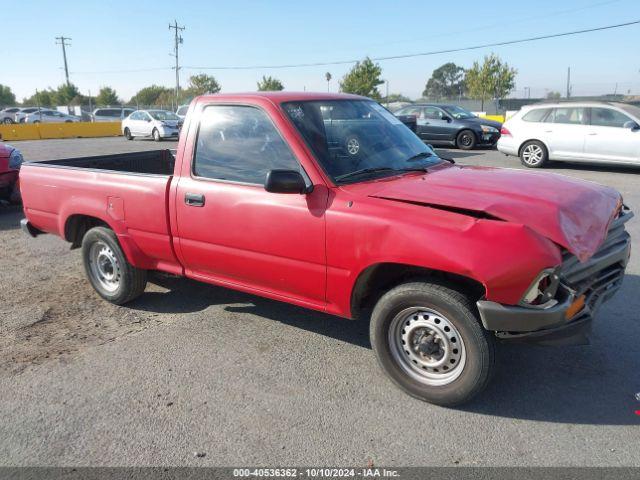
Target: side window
{"type": "Point", "coordinates": [536, 115]}
{"type": "Point", "coordinates": [433, 113]}
{"type": "Point", "coordinates": [239, 144]}
{"type": "Point", "coordinates": [606, 117]}
{"type": "Point", "coordinates": [417, 111]}
{"type": "Point", "coordinates": [568, 115]}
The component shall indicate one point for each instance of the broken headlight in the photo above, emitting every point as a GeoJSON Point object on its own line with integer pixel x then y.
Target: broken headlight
{"type": "Point", "coordinates": [542, 292]}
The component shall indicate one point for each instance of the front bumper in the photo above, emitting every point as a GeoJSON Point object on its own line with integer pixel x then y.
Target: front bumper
{"type": "Point", "coordinates": [29, 229]}
{"type": "Point", "coordinates": [595, 280]}
{"type": "Point", "coordinates": [488, 138]}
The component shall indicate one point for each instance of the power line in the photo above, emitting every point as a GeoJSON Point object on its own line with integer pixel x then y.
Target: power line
{"type": "Point", "coordinates": [393, 57]}
{"type": "Point", "coordinates": [62, 41]}
{"type": "Point", "coordinates": [421, 54]}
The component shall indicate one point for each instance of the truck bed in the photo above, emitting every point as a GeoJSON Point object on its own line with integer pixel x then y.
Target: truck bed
{"type": "Point", "coordinates": [152, 162]}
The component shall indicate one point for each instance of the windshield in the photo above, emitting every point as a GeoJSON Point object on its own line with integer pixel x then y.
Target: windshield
{"type": "Point", "coordinates": [355, 140]}
{"type": "Point", "coordinates": [632, 109]}
{"type": "Point", "coordinates": [459, 113]}
{"type": "Point", "coordinates": [163, 115]}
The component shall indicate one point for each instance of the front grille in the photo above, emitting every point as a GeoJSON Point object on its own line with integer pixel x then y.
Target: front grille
{"type": "Point", "coordinates": [601, 276]}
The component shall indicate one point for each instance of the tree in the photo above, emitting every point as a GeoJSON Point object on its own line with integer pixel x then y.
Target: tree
{"type": "Point", "coordinates": [554, 95]}
{"type": "Point", "coordinates": [494, 79]}
{"type": "Point", "coordinates": [396, 97]}
{"type": "Point", "coordinates": [7, 97]}
{"type": "Point", "coordinates": [107, 96]}
{"type": "Point", "coordinates": [151, 95]}
{"type": "Point", "coordinates": [201, 84]}
{"type": "Point", "coordinates": [446, 81]}
{"type": "Point", "coordinates": [328, 78]}
{"type": "Point", "coordinates": [65, 94]}
{"type": "Point", "coordinates": [42, 98]}
{"type": "Point", "coordinates": [363, 79]}
{"type": "Point", "coordinates": [270, 84]}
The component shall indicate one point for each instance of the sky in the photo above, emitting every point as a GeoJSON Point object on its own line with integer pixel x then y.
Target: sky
{"type": "Point", "coordinates": [127, 44]}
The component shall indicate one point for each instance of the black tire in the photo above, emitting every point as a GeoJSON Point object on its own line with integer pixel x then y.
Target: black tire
{"type": "Point", "coordinates": [474, 346]}
{"type": "Point", "coordinates": [534, 154]}
{"type": "Point", "coordinates": [156, 135]}
{"type": "Point", "coordinates": [127, 134]}
{"type": "Point", "coordinates": [68, 121]}
{"type": "Point", "coordinates": [129, 281]}
{"type": "Point", "coordinates": [7, 121]}
{"type": "Point", "coordinates": [35, 121]}
{"type": "Point", "coordinates": [466, 140]}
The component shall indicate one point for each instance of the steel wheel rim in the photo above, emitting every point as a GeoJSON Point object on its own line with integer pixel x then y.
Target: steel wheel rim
{"type": "Point", "coordinates": [465, 140]}
{"type": "Point", "coordinates": [427, 346]}
{"type": "Point", "coordinates": [532, 154]}
{"type": "Point", "coordinates": [353, 146]}
{"type": "Point", "coordinates": [104, 266]}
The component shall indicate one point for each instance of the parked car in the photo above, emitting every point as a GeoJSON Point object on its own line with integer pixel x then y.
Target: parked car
{"type": "Point", "coordinates": [23, 112]}
{"type": "Point", "coordinates": [603, 132]}
{"type": "Point", "coordinates": [111, 114]}
{"type": "Point", "coordinates": [7, 115]}
{"type": "Point", "coordinates": [451, 125]}
{"type": "Point", "coordinates": [50, 116]}
{"type": "Point", "coordinates": [182, 111]}
{"type": "Point", "coordinates": [10, 162]}
{"type": "Point", "coordinates": [158, 124]}
{"type": "Point", "coordinates": [260, 197]}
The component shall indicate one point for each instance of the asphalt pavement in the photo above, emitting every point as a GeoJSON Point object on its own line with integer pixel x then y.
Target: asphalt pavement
{"type": "Point", "coordinates": [191, 369]}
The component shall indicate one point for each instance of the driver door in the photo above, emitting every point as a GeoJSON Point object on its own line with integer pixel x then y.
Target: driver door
{"type": "Point", "coordinates": [230, 229]}
{"type": "Point", "coordinates": [435, 127]}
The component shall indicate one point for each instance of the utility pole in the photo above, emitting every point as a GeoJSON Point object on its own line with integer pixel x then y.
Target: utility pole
{"type": "Point", "coordinates": [63, 41]}
{"type": "Point", "coordinates": [177, 41]}
{"type": "Point", "coordinates": [568, 82]}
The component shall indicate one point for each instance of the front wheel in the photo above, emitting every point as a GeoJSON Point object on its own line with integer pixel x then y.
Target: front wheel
{"type": "Point", "coordinates": [430, 343]}
{"type": "Point", "coordinates": [156, 135]}
{"type": "Point", "coordinates": [466, 140]}
{"type": "Point", "coordinates": [127, 134]}
{"type": "Point", "coordinates": [109, 272]}
{"type": "Point", "coordinates": [7, 121]}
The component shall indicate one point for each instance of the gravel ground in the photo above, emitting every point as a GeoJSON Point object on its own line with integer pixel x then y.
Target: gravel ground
{"type": "Point", "coordinates": [194, 368]}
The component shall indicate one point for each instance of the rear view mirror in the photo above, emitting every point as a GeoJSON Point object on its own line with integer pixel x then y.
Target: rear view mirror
{"type": "Point", "coordinates": [285, 181]}
{"type": "Point", "coordinates": [631, 125]}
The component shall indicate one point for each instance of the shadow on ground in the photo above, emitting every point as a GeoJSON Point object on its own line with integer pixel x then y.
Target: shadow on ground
{"type": "Point", "coordinates": [10, 217]}
{"type": "Point", "coordinates": [592, 384]}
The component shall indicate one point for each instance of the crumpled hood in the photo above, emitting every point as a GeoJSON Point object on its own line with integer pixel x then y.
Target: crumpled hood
{"type": "Point", "coordinates": [573, 213]}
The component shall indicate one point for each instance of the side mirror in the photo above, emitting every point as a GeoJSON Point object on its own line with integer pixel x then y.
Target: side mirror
{"type": "Point", "coordinates": [285, 181]}
{"type": "Point", "coordinates": [631, 125]}
{"type": "Point", "coordinates": [446, 118]}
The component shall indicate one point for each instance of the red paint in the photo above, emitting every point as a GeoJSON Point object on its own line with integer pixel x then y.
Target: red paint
{"type": "Point", "coordinates": [311, 249]}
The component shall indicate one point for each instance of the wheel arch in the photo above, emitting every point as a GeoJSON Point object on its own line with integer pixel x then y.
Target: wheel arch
{"type": "Point", "coordinates": [77, 225]}
{"type": "Point", "coordinates": [524, 142]}
{"type": "Point", "coordinates": [376, 279]}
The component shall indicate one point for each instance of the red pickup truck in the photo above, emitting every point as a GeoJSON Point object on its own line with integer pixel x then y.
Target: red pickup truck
{"type": "Point", "coordinates": [331, 203]}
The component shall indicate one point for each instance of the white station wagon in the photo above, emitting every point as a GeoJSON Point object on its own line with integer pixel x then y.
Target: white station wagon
{"type": "Point", "coordinates": [600, 132]}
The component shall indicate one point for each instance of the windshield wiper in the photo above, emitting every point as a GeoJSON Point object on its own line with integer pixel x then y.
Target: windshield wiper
{"type": "Point", "coordinates": [418, 156]}
{"type": "Point", "coordinates": [363, 171]}
{"type": "Point", "coordinates": [379, 169]}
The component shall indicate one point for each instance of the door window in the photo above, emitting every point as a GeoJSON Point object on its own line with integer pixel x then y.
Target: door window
{"type": "Point", "coordinates": [433, 113]}
{"type": "Point", "coordinates": [240, 144]}
{"type": "Point", "coordinates": [567, 115]}
{"type": "Point", "coordinates": [607, 117]}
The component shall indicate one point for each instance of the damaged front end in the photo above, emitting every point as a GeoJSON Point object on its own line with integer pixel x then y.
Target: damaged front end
{"type": "Point", "coordinates": [559, 307]}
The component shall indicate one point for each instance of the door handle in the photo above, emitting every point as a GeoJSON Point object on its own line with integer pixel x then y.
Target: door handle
{"type": "Point", "coordinates": [591, 134]}
{"type": "Point", "coordinates": [194, 199]}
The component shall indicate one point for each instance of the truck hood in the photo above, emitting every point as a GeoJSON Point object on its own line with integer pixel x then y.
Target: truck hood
{"type": "Point", "coordinates": [573, 213]}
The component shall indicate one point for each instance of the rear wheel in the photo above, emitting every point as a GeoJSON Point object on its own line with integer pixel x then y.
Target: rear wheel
{"type": "Point", "coordinates": [466, 140]}
{"type": "Point", "coordinates": [429, 342]}
{"type": "Point", "coordinates": [107, 268]}
{"type": "Point", "coordinates": [533, 154]}
{"type": "Point", "coordinates": [127, 134]}
{"type": "Point", "coordinates": [7, 121]}
{"type": "Point", "coordinates": [156, 135]}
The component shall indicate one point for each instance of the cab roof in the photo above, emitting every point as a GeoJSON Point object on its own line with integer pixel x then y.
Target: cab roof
{"type": "Point", "coordinates": [282, 96]}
